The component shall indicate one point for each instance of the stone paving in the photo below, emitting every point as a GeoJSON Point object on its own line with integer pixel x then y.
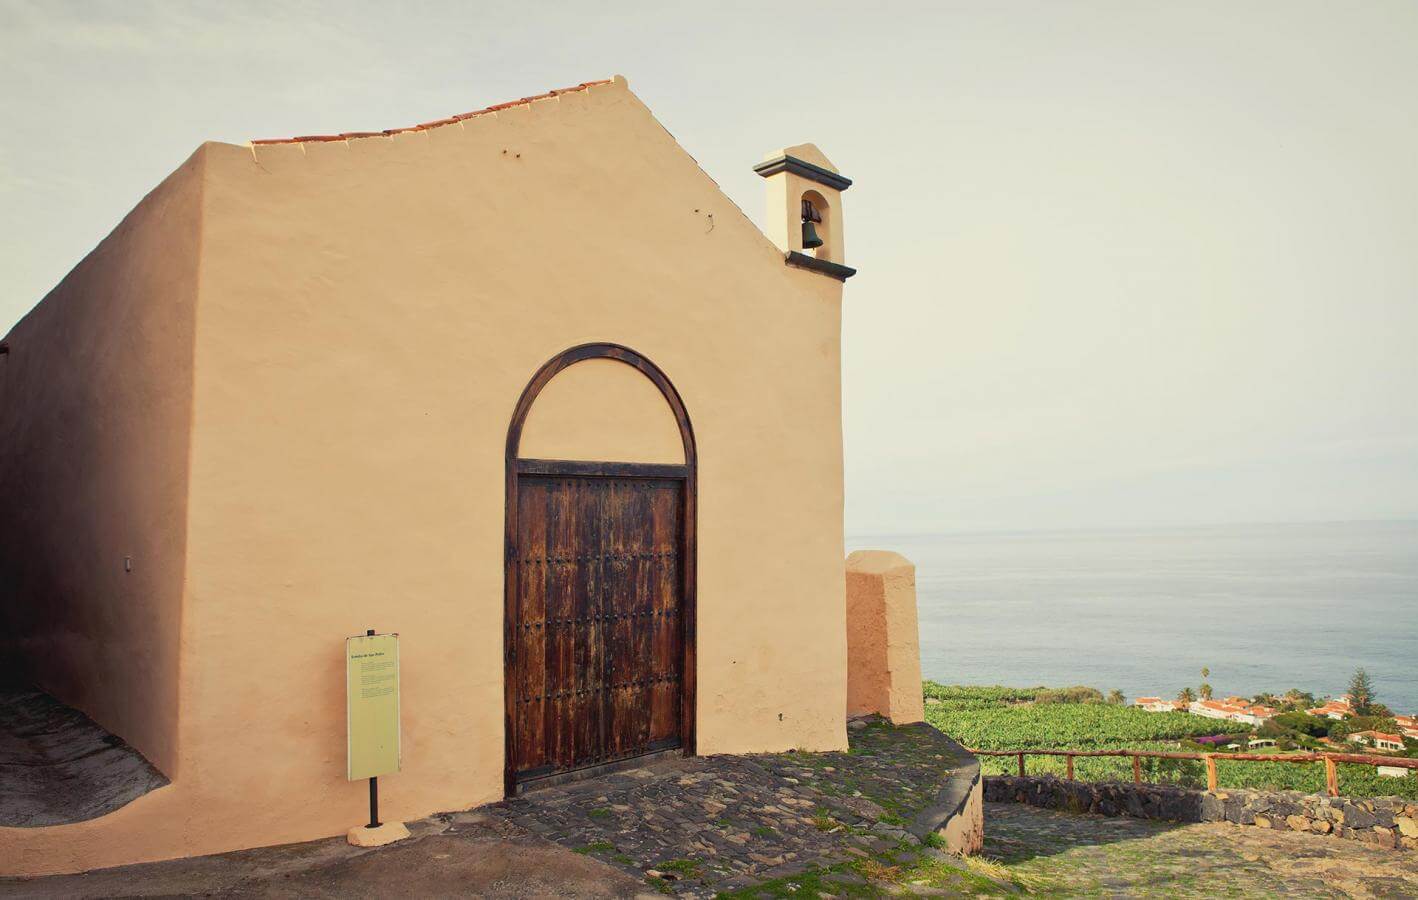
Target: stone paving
{"type": "Point", "coordinates": [708, 824]}
{"type": "Point", "coordinates": [785, 825]}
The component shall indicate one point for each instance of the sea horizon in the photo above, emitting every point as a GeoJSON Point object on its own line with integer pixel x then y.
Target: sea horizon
{"type": "Point", "coordinates": [1266, 606]}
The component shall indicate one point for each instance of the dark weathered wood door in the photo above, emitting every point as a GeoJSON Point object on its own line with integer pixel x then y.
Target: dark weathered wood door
{"type": "Point", "coordinates": [597, 639]}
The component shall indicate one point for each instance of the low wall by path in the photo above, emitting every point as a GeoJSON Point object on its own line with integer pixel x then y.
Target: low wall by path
{"type": "Point", "coordinates": [957, 812]}
{"type": "Point", "coordinates": [1383, 821]}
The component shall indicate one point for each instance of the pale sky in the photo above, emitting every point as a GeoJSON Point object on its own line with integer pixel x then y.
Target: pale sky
{"type": "Point", "coordinates": [1121, 263]}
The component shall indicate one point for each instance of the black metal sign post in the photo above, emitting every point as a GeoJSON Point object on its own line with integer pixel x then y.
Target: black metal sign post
{"type": "Point", "coordinates": [373, 782]}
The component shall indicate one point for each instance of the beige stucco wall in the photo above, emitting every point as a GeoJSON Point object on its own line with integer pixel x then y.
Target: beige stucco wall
{"type": "Point", "coordinates": [94, 416]}
{"type": "Point", "coordinates": [369, 312]}
{"type": "Point", "coordinates": [601, 409]}
{"type": "Point", "coordinates": [883, 638]}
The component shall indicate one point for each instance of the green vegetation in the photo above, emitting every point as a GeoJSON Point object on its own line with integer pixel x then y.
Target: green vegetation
{"type": "Point", "coordinates": [596, 847]}
{"type": "Point", "coordinates": [684, 868]}
{"type": "Point", "coordinates": [822, 821]}
{"type": "Point", "coordinates": [1005, 718]}
{"type": "Point", "coordinates": [1361, 696]}
{"type": "Point", "coordinates": [1361, 693]}
{"type": "Point", "coordinates": [1021, 722]}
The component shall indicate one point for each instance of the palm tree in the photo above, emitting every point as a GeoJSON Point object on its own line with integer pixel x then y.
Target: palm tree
{"type": "Point", "coordinates": [1187, 695]}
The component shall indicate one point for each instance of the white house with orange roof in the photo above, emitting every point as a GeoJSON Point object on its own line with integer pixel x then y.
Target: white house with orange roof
{"type": "Point", "coordinates": [1157, 704]}
{"type": "Point", "coordinates": [1232, 709]}
{"type": "Point", "coordinates": [1379, 739]}
{"type": "Point", "coordinates": [1333, 709]}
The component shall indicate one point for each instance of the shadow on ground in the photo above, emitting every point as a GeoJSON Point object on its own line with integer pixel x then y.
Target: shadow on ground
{"type": "Point", "coordinates": [1015, 833]}
{"type": "Point", "coordinates": [1062, 853]}
{"type": "Point", "coordinates": [464, 854]}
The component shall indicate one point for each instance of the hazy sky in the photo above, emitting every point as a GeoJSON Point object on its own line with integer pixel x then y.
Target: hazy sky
{"type": "Point", "coordinates": [1121, 262]}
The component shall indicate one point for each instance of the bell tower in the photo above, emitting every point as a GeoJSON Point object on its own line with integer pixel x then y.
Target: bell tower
{"type": "Point", "coordinates": [805, 209]}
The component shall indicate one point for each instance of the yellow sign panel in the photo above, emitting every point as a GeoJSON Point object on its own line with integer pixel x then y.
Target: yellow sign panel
{"type": "Point", "coordinates": [372, 701]}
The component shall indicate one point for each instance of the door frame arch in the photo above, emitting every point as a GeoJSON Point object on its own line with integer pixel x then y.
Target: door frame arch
{"type": "Point", "coordinates": [516, 466]}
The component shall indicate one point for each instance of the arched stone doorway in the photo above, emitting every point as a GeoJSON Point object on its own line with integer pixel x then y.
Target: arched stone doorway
{"type": "Point", "coordinates": [599, 639]}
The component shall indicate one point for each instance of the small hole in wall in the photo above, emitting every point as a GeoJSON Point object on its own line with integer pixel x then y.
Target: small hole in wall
{"type": "Point", "coordinates": [127, 563]}
{"type": "Point", "coordinates": [780, 717]}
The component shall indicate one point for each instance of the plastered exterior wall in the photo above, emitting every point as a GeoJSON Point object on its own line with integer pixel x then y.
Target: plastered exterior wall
{"type": "Point", "coordinates": [369, 313]}
{"type": "Point", "coordinates": [94, 424]}
{"type": "Point", "coordinates": [601, 409]}
{"type": "Point", "coordinates": [883, 637]}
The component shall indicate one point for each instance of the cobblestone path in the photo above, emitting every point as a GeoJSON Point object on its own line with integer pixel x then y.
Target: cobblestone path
{"type": "Point", "coordinates": [709, 824]}
{"type": "Point", "coordinates": [784, 825]}
{"type": "Point", "coordinates": [834, 825]}
{"type": "Point", "coordinates": [1054, 853]}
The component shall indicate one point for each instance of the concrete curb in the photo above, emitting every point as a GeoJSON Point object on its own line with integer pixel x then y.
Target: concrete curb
{"type": "Point", "coordinates": [945, 814]}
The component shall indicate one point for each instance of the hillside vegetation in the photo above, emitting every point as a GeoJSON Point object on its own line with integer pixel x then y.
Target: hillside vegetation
{"type": "Point", "coordinates": [1006, 718]}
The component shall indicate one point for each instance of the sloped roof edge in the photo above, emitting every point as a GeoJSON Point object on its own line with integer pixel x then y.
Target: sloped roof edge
{"type": "Point", "coordinates": [451, 120]}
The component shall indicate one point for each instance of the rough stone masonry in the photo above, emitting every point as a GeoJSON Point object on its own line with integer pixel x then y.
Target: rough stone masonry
{"type": "Point", "coordinates": [1383, 821]}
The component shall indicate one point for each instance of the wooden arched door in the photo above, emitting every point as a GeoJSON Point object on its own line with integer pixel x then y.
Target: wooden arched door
{"type": "Point", "coordinates": [600, 598]}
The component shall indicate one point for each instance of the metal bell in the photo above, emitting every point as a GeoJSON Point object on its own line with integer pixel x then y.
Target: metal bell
{"type": "Point", "coordinates": [810, 238]}
{"type": "Point", "coordinates": [810, 217]}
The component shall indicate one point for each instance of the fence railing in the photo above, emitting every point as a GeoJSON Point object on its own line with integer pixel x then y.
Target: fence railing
{"type": "Point", "coordinates": [1330, 760]}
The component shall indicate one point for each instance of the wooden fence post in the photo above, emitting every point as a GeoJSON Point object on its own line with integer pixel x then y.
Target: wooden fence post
{"type": "Point", "coordinates": [1070, 766]}
{"type": "Point", "coordinates": [1021, 765]}
{"type": "Point", "coordinates": [1137, 770]}
{"type": "Point", "coordinates": [1331, 777]}
{"type": "Point", "coordinates": [1210, 772]}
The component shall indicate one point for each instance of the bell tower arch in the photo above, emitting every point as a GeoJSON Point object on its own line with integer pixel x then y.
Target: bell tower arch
{"type": "Point", "coordinates": [805, 209]}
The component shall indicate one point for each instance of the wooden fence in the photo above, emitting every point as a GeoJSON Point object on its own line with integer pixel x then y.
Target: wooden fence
{"type": "Point", "coordinates": [1330, 760]}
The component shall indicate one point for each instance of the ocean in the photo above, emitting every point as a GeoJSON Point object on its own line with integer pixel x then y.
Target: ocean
{"type": "Point", "coordinates": [1264, 607]}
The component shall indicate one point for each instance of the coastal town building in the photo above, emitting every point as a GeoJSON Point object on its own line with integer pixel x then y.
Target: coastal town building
{"type": "Point", "coordinates": [439, 381]}
{"type": "Point", "coordinates": [1379, 740]}
{"type": "Point", "coordinates": [1239, 709]}
{"type": "Point", "coordinates": [1157, 704]}
{"type": "Point", "coordinates": [1333, 709]}
{"type": "Point", "coordinates": [1233, 709]}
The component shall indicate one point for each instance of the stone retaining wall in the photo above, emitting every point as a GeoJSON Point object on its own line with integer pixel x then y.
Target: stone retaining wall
{"type": "Point", "coordinates": [1384, 821]}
